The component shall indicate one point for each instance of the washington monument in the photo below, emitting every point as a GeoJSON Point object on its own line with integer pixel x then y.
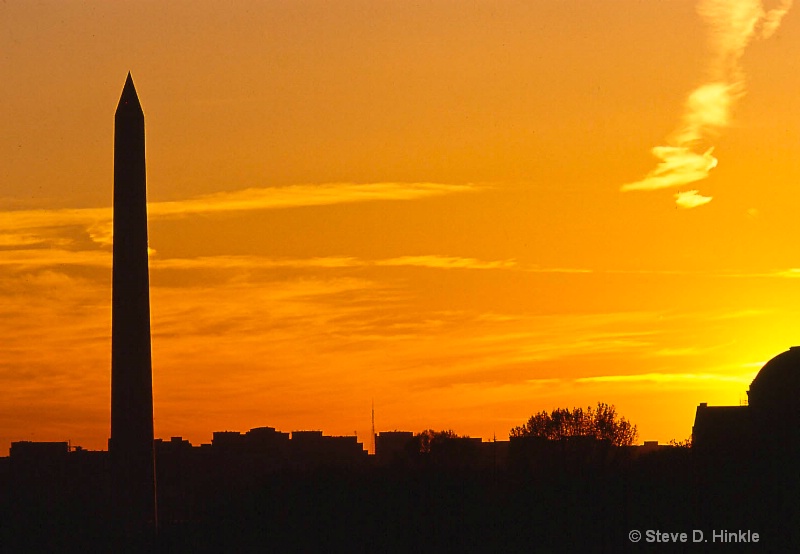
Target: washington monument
{"type": "Point", "coordinates": [131, 443]}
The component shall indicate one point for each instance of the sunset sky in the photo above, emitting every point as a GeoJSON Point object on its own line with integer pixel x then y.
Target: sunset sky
{"type": "Point", "coordinates": [464, 211]}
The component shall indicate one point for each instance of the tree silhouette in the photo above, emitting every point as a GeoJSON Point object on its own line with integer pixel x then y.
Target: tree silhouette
{"type": "Point", "coordinates": [430, 440]}
{"type": "Point", "coordinates": [601, 423]}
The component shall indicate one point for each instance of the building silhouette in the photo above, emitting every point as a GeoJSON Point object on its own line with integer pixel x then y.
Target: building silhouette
{"type": "Point", "coordinates": [392, 445]}
{"type": "Point", "coordinates": [769, 420]}
{"type": "Point", "coordinates": [131, 443]}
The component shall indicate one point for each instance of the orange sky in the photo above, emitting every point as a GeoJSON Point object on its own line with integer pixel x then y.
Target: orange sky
{"type": "Point", "coordinates": [416, 203]}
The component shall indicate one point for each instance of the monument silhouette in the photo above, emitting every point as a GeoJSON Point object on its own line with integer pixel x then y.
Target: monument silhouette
{"type": "Point", "coordinates": [131, 443]}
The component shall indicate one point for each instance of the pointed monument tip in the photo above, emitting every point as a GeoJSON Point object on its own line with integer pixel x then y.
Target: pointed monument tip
{"type": "Point", "coordinates": [129, 100]}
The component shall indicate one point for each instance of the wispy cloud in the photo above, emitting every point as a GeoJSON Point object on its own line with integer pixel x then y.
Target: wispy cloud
{"type": "Point", "coordinates": [47, 257]}
{"type": "Point", "coordinates": [25, 227]}
{"type": "Point", "coordinates": [30, 258]}
{"type": "Point", "coordinates": [691, 199]}
{"type": "Point", "coordinates": [334, 262]}
{"type": "Point", "coordinates": [679, 166]}
{"type": "Point", "coordinates": [446, 262]}
{"type": "Point", "coordinates": [255, 262]}
{"type": "Point", "coordinates": [687, 157]}
{"type": "Point", "coordinates": [667, 378]}
{"type": "Point", "coordinates": [55, 257]}
{"type": "Point", "coordinates": [791, 273]}
{"type": "Point", "coordinates": [302, 195]}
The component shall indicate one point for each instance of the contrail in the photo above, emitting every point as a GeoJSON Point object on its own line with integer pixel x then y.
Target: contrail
{"type": "Point", "coordinates": [688, 156]}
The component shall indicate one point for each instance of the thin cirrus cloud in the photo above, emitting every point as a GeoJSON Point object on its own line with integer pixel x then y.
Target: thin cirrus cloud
{"type": "Point", "coordinates": [22, 227]}
{"type": "Point", "coordinates": [687, 157]}
{"type": "Point", "coordinates": [303, 195]}
{"type": "Point", "coordinates": [39, 258]}
{"type": "Point", "coordinates": [668, 378]}
{"type": "Point", "coordinates": [23, 257]}
{"type": "Point", "coordinates": [99, 258]}
{"type": "Point", "coordinates": [333, 262]}
{"type": "Point", "coordinates": [446, 262]}
{"type": "Point", "coordinates": [47, 257]}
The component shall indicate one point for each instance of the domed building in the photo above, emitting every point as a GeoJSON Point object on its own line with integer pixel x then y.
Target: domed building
{"type": "Point", "coordinates": [774, 395]}
{"type": "Point", "coordinates": [772, 416]}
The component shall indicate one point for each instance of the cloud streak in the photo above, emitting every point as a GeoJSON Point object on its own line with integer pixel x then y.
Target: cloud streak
{"type": "Point", "coordinates": [44, 258]}
{"type": "Point", "coordinates": [38, 258]}
{"type": "Point", "coordinates": [446, 262]}
{"type": "Point", "coordinates": [296, 196]}
{"type": "Point", "coordinates": [25, 227]}
{"type": "Point", "coordinates": [332, 262]}
{"type": "Point", "coordinates": [667, 378]}
{"type": "Point", "coordinates": [687, 157]}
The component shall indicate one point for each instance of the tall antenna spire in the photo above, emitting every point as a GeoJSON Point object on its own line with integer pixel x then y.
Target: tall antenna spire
{"type": "Point", "coordinates": [373, 426]}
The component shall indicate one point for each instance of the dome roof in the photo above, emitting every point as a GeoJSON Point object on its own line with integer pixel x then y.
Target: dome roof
{"type": "Point", "coordinates": [777, 385]}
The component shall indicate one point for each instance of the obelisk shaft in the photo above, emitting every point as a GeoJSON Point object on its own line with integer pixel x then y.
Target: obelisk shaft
{"type": "Point", "coordinates": [131, 444]}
